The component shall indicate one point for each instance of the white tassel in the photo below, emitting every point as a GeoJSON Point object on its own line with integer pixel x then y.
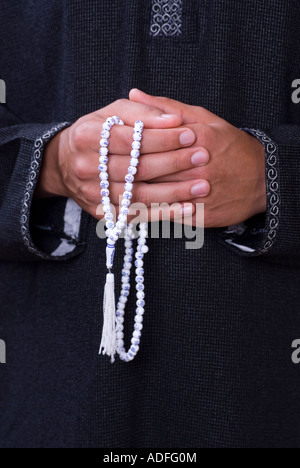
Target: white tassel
{"type": "Point", "coordinates": [109, 336]}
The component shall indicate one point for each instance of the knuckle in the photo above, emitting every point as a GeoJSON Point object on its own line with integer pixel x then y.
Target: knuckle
{"type": "Point", "coordinates": [121, 102]}
{"type": "Point", "coordinates": [87, 193]}
{"type": "Point", "coordinates": [143, 170]}
{"type": "Point", "coordinates": [80, 168]}
{"type": "Point", "coordinates": [141, 195]}
{"type": "Point", "coordinates": [80, 136]}
{"type": "Point", "coordinates": [180, 161]}
{"type": "Point", "coordinates": [205, 135]}
{"type": "Point", "coordinates": [124, 140]}
{"type": "Point", "coordinates": [177, 195]}
{"type": "Point", "coordinates": [165, 140]}
{"type": "Point", "coordinates": [165, 100]}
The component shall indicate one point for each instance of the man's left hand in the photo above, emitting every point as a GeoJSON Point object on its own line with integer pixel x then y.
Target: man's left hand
{"type": "Point", "coordinates": [230, 160]}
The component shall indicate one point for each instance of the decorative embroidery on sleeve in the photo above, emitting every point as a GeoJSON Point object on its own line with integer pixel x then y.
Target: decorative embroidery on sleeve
{"type": "Point", "coordinates": [166, 18]}
{"type": "Point", "coordinates": [259, 240]}
{"type": "Point", "coordinates": [272, 180]}
{"type": "Point", "coordinates": [39, 145]}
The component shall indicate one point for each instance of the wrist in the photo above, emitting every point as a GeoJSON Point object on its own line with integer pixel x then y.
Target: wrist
{"type": "Point", "coordinates": [260, 205]}
{"type": "Point", "coordinates": [50, 182]}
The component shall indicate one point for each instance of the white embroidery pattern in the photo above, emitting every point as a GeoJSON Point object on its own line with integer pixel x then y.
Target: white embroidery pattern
{"type": "Point", "coordinates": [166, 18]}
{"type": "Point", "coordinates": [32, 179]}
{"type": "Point", "coordinates": [272, 187]}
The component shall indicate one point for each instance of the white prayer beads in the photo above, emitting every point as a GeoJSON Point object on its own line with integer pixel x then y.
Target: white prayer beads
{"type": "Point", "coordinates": [113, 233]}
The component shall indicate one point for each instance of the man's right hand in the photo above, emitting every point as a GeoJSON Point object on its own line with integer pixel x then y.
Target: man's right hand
{"type": "Point", "coordinates": [70, 165]}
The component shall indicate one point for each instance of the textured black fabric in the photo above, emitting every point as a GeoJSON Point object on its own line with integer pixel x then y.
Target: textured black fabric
{"type": "Point", "coordinates": [214, 369]}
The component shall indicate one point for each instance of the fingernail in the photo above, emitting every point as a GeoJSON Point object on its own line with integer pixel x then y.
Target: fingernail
{"type": "Point", "coordinates": [200, 189]}
{"type": "Point", "coordinates": [200, 158]}
{"type": "Point", "coordinates": [167, 116]}
{"type": "Point", "coordinates": [187, 138]}
{"type": "Point", "coordinates": [187, 211]}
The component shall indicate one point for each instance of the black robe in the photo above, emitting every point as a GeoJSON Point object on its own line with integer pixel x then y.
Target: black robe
{"type": "Point", "coordinates": [215, 367]}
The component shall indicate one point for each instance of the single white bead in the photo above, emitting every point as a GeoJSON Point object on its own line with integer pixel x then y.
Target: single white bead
{"type": "Point", "coordinates": [111, 121]}
{"type": "Point", "coordinates": [132, 170]}
{"type": "Point", "coordinates": [138, 326]}
{"type": "Point", "coordinates": [142, 241]}
{"type": "Point", "coordinates": [139, 123]}
{"type": "Point", "coordinates": [122, 218]}
{"type": "Point", "coordinates": [139, 263]}
{"type": "Point", "coordinates": [103, 160]}
{"type": "Point", "coordinates": [104, 176]}
{"type": "Point", "coordinates": [106, 201]}
{"type": "Point", "coordinates": [105, 134]}
{"type": "Point", "coordinates": [139, 256]}
{"type": "Point", "coordinates": [120, 335]}
{"type": "Point", "coordinates": [138, 319]}
{"type": "Point", "coordinates": [136, 348]}
{"type": "Point", "coordinates": [136, 145]}
{"type": "Point", "coordinates": [128, 245]}
{"type": "Point", "coordinates": [103, 168]}
{"type": "Point", "coordinates": [126, 272]}
{"type": "Point", "coordinates": [125, 279]}
{"type": "Point", "coordinates": [145, 249]}
{"type": "Point", "coordinates": [143, 234]}
{"type": "Point", "coordinates": [120, 343]}
{"type": "Point", "coordinates": [128, 187]}
{"type": "Point", "coordinates": [140, 311]}
{"type": "Point", "coordinates": [134, 162]}
{"type": "Point", "coordinates": [137, 137]}
{"type": "Point", "coordinates": [103, 151]}
{"type": "Point", "coordinates": [139, 272]}
{"type": "Point", "coordinates": [127, 266]}
{"type": "Point", "coordinates": [120, 225]}
{"type": "Point", "coordinates": [127, 259]}
{"type": "Point", "coordinates": [109, 216]}
{"type": "Point", "coordinates": [128, 195]}
{"type": "Point", "coordinates": [140, 295]}
{"type": "Point", "coordinates": [104, 143]}
{"type": "Point", "coordinates": [110, 225]}
{"type": "Point", "coordinates": [114, 236]}
{"type": "Point", "coordinates": [134, 341]}
{"type": "Point", "coordinates": [135, 154]}
{"type": "Point", "coordinates": [126, 203]}
{"type": "Point", "coordinates": [124, 211]}
{"type": "Point", "coordinates": [104, 184]}
{"type": "Point", "coordinates": [105, 193]}
{"type": "Point", "coordinates": [136, 334]}
{"type": "Point", "coordinates": [121, 306]}
{"type": "Point", "coordinates": [107, 126]}
{"type": "Point", "coordinates": [119, 327]}
{"type": "Point", "coordinates": [107, 209]}
{"type": "Point", "coordinates": [123, 300]}
{"type": "Point", "coordinates": [120, 320]}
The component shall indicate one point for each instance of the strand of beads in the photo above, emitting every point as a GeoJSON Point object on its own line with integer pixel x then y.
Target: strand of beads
{"type": "Point", "coordinates": [114, 231]}
{"type": "Point", "coordinates": [140, 294]}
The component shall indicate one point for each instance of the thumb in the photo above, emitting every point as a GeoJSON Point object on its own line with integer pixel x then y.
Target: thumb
{"type": "Point", "coordinates": [189, 114]}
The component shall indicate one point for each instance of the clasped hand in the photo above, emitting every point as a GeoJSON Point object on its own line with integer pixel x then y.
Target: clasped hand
{"type": "Point", "coordinates": [188, 156]}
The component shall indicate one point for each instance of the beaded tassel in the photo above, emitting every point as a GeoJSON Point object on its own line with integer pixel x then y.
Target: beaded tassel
{"type": "Point", "coordinates": [113, 323]}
